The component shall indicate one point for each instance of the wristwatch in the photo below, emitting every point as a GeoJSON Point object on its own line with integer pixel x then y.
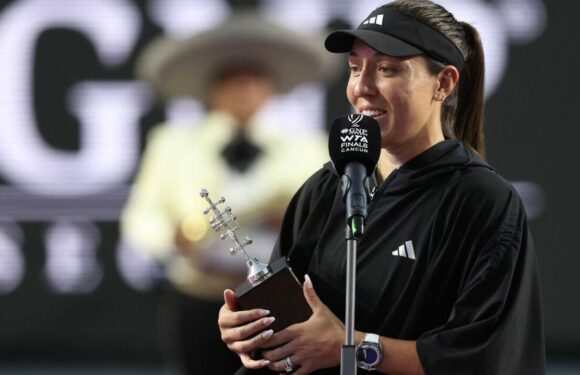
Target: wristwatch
{"type": "Point", "coordinates": [369, 353]}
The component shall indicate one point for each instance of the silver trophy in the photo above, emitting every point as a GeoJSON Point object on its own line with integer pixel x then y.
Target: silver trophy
{"type": "Point", "coordinates": [227, 221]}
{"type": "Point", "coordinates": [273, 287]}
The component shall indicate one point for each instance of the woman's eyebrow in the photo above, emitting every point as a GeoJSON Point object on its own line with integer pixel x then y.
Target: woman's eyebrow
{"type": "Point", "coordinates": [375, 53]}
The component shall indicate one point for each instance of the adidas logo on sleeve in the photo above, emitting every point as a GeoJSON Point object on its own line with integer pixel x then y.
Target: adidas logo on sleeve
{"type": "Point", "coordinates": [406, 250]}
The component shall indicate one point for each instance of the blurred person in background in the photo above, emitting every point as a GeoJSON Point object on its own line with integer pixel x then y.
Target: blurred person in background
{"type": "Point", "coordinates": [234, 69]}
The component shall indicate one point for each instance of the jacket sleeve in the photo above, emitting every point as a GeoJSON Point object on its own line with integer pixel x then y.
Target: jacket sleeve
{"type": "Point", "coordinates": [304, 218]}
{"type": "Point", "coordinates": [495, 325]}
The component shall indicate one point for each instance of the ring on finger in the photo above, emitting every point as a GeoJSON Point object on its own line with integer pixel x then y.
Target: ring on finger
{"type": "Point", "coordinates": [289, 365]}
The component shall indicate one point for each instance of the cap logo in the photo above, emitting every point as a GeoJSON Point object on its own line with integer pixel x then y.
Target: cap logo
{"type": "Point", "coordinates": [374, 20]}
{"type": "Point", "coordinates": [355, 119]}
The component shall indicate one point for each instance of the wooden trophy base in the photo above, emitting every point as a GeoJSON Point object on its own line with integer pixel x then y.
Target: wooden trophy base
{"type": "Point", "coordinates": [281, 293]}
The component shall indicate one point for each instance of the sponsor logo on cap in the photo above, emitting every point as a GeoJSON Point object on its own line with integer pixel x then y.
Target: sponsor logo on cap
{"type": "Point", "coordinates": [374, 20]}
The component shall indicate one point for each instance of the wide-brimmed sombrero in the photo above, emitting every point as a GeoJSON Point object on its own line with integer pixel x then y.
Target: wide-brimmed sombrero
{"type": "Point", "coordinates": [184, 67]}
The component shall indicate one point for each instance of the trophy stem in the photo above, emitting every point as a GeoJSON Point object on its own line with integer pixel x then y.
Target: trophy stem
{"type": "Point", "coordinates": [257, 271]}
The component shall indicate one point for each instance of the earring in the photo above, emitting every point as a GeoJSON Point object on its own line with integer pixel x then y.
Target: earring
{"type": "Point", "coordinates": [439, 97]}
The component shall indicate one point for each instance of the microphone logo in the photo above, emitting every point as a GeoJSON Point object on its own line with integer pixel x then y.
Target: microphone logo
{"type": "Point", "coordinates": [354, 139]}
{"type": "Point", "coordinates": [355, 119]}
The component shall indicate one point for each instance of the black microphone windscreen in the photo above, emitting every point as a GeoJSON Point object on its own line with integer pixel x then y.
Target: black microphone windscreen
{"type": "Point", "coordinates": [354, 138]}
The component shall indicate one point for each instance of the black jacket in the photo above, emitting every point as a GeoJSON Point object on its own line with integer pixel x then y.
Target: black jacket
{"type": "Point", "coordinates": [446, 259]}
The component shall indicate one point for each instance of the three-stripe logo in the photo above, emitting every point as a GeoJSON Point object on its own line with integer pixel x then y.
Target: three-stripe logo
{"type": "Point", "coordinates": [406, 250]}
{"type": "Point", "coordinates": [376, 20]}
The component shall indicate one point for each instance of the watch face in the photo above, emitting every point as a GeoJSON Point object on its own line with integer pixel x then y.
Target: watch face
{"type": "Point", "coordinates": [369, 355]}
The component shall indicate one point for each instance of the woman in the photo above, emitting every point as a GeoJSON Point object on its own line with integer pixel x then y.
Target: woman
{"type": "Point", "coordinates": [446, 272]}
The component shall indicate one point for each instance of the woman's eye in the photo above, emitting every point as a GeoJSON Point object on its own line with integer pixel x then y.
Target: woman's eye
{"type": "Point", "coordinates": [386, 69]}
{"type": "Point", "coordinates": [354, 68]}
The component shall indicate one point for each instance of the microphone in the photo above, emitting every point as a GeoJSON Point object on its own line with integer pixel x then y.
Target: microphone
{"type": "Point", "coordinates": [354, 145]}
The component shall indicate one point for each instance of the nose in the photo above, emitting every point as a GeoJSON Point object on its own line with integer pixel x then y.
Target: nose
{"type": "Point", "coordinates": [364, 84]}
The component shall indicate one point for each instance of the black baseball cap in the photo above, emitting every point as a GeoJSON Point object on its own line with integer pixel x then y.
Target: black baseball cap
{"type": "Point", "coordinates": [394, 33]}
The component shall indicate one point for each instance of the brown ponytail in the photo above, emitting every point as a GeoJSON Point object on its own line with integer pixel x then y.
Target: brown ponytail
{"type": "Point", "coordinates": [469, 114]}
{"type": "Point", "coordinates": [462, 111]}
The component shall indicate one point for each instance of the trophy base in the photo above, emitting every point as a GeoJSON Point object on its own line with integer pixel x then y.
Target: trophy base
{"type": "Point", "coordinates": [281, 293]}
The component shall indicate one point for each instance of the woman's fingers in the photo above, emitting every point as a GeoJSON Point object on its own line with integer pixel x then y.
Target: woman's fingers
{"type": "Point", "coordinates": [246, 346]}
{"type": "Point", "coordinates": [285, 335]}
{"type": "Point", "coordinates": [244, 331]}
{"type": "Point", "coordinates": [254, 364]}
{"type": "Point", "coordinates": [228, 318]}
{"type": "Point", "coordinates": [282, 344]}
{"type": "Point", "coordinates": [290, 363]}
{"type": "Point", "coordinates": [230, 299]}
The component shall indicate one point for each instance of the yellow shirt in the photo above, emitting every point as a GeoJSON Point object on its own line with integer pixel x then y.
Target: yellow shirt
{"type": "Point", "coordinates": [179, 162]}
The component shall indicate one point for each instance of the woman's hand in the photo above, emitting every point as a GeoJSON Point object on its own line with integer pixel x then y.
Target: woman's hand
{"type": "Point", "coordinates": [311, 345]}
{"type": "Point", "coordinates": [244, 331]}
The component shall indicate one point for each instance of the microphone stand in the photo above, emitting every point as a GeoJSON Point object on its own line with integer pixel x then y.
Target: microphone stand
{"type": "Point", "coordinates": [348, 363]}
{"type": "Point", "coordinates": [356, 196]}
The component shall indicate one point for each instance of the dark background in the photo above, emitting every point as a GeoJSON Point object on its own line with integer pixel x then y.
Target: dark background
{"type": "Point", "coordinates": [532, 135]}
